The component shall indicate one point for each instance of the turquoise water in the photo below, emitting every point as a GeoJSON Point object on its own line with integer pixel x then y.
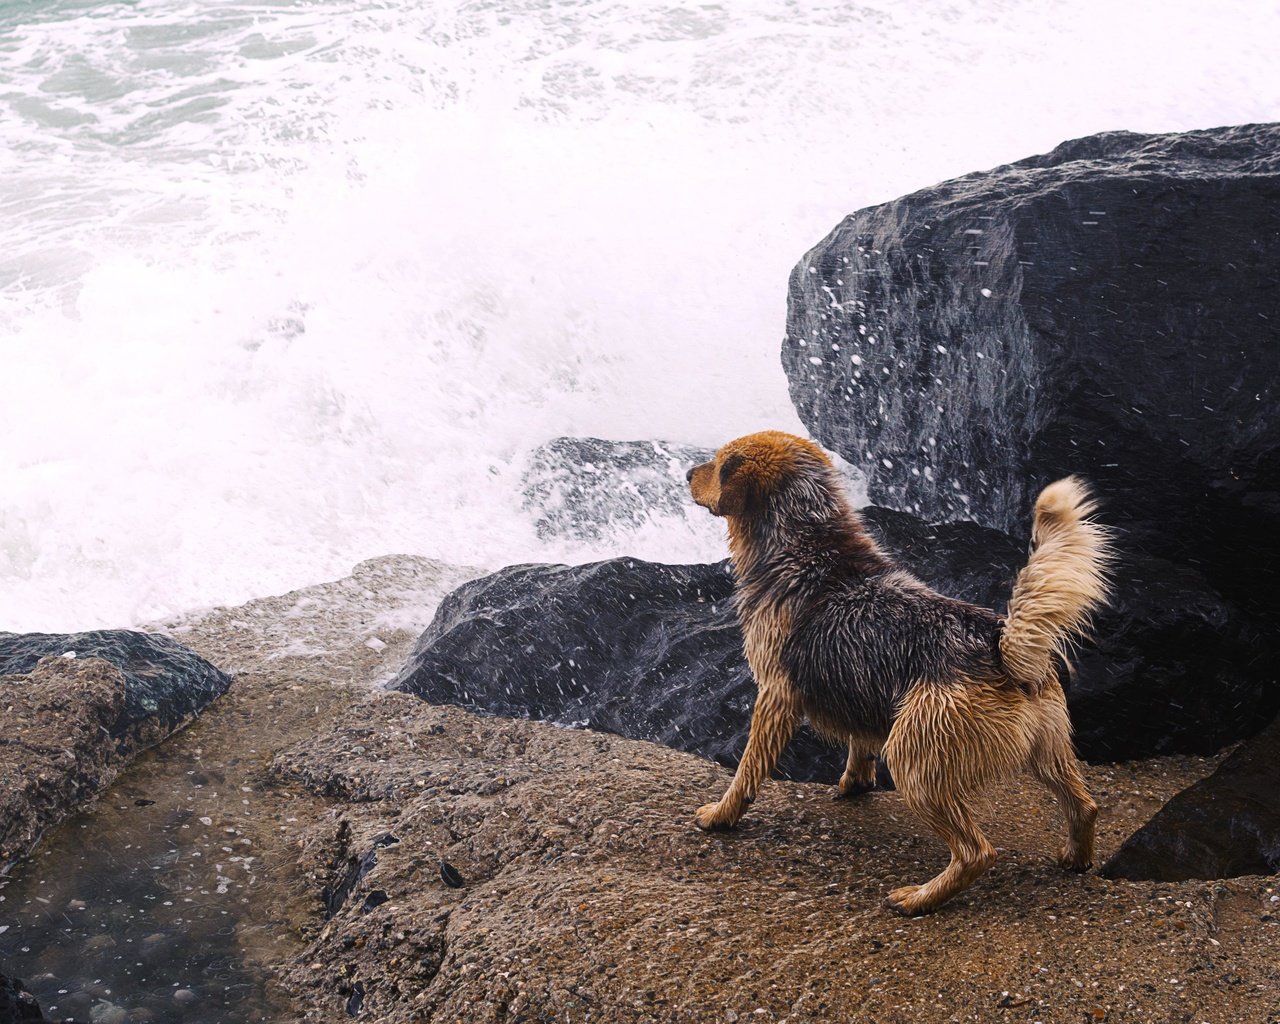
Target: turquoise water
{"type": "Point", "coordinates": [288, 285]}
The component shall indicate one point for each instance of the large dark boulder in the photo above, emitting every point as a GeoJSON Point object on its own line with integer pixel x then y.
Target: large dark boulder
{"type": "Point", "coordinates": [625, 646]}
{"type": "Point", "coordinates": [1225, 825]}
{"type": "Point", "coordinates": [654, 651]}
{"type": "Point", "coordinates": [70, 724]}
{"type": "Point", "coordinates": [584, 488]}
{"type": "Point", "coordinates": [1109, 309]}
{"type": "Point", "coordinates": [1172, 668]}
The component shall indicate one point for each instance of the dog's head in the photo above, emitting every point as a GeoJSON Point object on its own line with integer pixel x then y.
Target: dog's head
{"type": "Point", "coordinates": [748, 473]}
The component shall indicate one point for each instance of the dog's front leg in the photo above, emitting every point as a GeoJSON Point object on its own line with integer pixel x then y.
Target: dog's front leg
{"type": "Point", "coordinates": [773, 723]}
{"type": "Point", "coordinates": [860, 770]}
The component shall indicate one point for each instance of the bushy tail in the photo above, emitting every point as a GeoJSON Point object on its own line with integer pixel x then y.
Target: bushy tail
{"type": "Point", "coordinates": [1062, 582]}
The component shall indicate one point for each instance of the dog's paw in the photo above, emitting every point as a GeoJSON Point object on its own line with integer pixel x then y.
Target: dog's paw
{"type": "Point", "coordinates": [710, 817]}
{"type": "Point", "coordinates": [847, 789]}
{"type": "Point", "coordinates": [907, 901]}
{"type": "Point", "coordinates": [1071, 859]}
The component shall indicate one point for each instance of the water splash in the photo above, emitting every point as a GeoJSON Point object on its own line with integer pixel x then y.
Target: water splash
{"type": "Point", "coordinates": [285, 285]}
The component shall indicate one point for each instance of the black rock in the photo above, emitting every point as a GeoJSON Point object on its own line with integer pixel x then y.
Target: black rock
{"type": "Point", "coordinates": [625, 646]}
{"type": "Point", "coordinates": [1225, 825]}
{"type": "Point", "coordinates": [165, 683]}
{"type": "Point", "coordinates": [583, 487]}
{"type": "Point", "coordinates": [17, 1005]}
{"type": "Point", "coordinates": [356, 1000]}
{"type": "Point", "coordinates": [374, 900]}
{"type": "Point", "coordinates": [654, 651]}
{"type": "Point", "coordinates": [1107, 309]}
{"type": "Point", "coordinates": [451, 876]}
{"type": "Point", "coordinates": [1172, 668]}
{"type": "Point", "coordinates": [961, 560]}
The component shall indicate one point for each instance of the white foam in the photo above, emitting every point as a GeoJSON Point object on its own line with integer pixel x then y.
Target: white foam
{"type": "Point", "coordinates": [285, 287]}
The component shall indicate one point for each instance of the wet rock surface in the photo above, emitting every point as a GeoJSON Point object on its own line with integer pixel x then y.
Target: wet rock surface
{"type": "Point", "coordinates": [57, 752]}
{"type": "Point", "coordinates": [173, 897]}
{"type": "Point", "coordinates": [1225, 825]}
{"type": "Point", "coordinates": [584, 487]}
{"type": "Point", "coordinates": [72, 723]}
{"type": "Point", "coordinates": [313, 849]}
{"type": "Point", "coordinates": [587, 894]}
{"type": "Point", "coordinates": [654, 651]}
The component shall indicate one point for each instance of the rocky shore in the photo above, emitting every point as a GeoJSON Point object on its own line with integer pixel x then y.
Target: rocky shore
{"type": "Point", "coordinates": [431, 796]}
{"type": "Point", "coordinates": [425, 863]}
{"type": "Point", "coordinates": [498, 870]}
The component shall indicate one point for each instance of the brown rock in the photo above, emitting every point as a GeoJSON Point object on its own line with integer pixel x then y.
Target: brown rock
{"type": "Point", "coordinates": [589, 895]}
{"type": "Point", "coordinates": [55, 751]}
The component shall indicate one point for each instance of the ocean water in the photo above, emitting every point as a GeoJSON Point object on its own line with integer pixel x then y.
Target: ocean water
{"type": "Point", "coordinates": [286, 285]}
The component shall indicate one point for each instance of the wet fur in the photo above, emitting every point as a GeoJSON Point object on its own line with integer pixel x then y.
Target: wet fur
{"type": "Point", "coordinates": [953, 696]}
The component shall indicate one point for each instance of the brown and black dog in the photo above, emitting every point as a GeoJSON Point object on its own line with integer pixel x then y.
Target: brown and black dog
{"type": "Point", "coordinates": [953, 696]}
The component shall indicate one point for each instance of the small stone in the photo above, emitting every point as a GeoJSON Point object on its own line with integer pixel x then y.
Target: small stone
{"type": "Point", "coordinates": [108, 1013]}
{"type": "Point", "coordinates": [184, 995]}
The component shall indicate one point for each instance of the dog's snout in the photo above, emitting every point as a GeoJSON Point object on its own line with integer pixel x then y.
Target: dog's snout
{"type": "Point", "coordinates": [689, 475]}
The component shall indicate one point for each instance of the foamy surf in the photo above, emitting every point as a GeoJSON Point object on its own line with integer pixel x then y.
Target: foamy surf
{"type": "Point", "coordinates": [289, 286]}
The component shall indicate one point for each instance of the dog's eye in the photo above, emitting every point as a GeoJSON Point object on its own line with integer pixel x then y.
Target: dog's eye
{"type": "Point", "coordinates": [730, 466]}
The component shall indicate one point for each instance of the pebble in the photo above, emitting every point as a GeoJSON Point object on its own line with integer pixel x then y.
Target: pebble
{"type": "Point", "coordinates": [108, 1013]}
{"type": "Point", "coordinates": [184, 995]}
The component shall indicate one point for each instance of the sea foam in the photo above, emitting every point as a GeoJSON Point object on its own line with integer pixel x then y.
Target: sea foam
{"type": "Point", "coordinates": [286, 286]}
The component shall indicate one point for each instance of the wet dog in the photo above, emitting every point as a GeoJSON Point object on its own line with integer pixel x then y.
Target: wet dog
{"type": "Point", "coordinates": [950, 694]}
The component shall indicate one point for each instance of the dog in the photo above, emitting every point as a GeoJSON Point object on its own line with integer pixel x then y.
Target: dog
{"type": "Point", "coordinates": [951, 695]}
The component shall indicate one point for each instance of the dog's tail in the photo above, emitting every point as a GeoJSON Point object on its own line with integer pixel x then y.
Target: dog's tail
{"type": "Point", "coordinates": [1062, 582]}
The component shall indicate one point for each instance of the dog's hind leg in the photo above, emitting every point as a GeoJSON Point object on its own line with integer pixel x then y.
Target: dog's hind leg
{"type": "Point", "coordinates": [1053, 762]}
{"type": "Point", "coordinates": [971, 855]}
{"type": "Point", "coordinates": [948, 742]}
{"type": "Point", "coordinates": [773, 723]}
{"type": "Point", "coordinates": [859, 771]}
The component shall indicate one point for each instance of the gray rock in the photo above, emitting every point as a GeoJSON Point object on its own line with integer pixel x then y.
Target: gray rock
{"type": "Point", "coordinates": [583, 487]}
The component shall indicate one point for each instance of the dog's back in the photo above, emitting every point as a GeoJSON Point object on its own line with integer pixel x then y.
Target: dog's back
{"type": "Point", "coordinates": [858, 647]}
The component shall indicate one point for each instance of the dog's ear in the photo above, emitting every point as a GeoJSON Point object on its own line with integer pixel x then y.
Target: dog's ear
{"type": "Point", "coordinates": [729, 467]}
{"type": "Point", "coordinates": [736, 488]}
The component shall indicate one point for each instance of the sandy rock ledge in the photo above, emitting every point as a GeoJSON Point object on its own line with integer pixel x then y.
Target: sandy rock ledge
{"type": "Point", "coordinates": [586, 894]}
